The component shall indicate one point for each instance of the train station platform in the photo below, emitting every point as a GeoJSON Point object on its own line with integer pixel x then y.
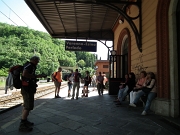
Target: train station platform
{"type": "Point", "coordinates": [93, 115]}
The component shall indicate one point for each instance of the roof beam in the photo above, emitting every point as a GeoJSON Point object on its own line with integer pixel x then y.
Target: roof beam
{"type": "Point", "coordinates": [76, 19]}
{"type": "Point", "coordinates": [60, 17]}
{"type": "Point", "coordinates": [111, 5]}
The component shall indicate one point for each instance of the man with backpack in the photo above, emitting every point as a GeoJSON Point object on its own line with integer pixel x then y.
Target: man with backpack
{"type": "Point", "coordinates": [76, 83]}
{"type": "Point", "coordinates": [57, 78]}
{"type": "Point", "coordinates": [28, 89]}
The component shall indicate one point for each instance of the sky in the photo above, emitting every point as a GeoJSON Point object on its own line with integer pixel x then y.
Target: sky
{"type": "Point", "coordinates": [16, 12]}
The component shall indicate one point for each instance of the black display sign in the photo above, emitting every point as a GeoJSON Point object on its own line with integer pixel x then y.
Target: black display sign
{"type": "Point", "coordinates": [80, 46]}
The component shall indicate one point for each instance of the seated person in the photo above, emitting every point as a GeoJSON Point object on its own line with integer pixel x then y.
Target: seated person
{"type": "Point", "coordinates": [150, 83]}
{"type": "Point", "coordinates": [138, 86]}
{"type": "Point", "coordinates": [128, 86]}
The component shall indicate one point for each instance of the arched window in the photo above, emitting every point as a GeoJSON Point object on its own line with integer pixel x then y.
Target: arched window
{"type": "Point", "coordinates": [125, 46]}
{"type": "Point", "coordinates": [124, 58]}
{"type": "Point", "coordinates": [124, 50]}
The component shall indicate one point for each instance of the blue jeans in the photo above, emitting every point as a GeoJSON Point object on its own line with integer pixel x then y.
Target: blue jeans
{"type": "Point", "coordinates": [122, 93]}
{"type": "Point", "coordinates": [150, 97]}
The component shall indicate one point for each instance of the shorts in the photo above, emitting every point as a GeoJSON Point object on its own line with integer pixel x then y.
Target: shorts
{"type": "Point", "coordinates": [70, 86]}
{"type": "Point", "coordinates": [28, 98]}
{"type": "Point", "coordinates": [57, 84]}
{"type": "Point", "coordinates": [86, 83]}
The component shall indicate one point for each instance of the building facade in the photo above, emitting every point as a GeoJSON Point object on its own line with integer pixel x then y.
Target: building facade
{"type": "Point", "coordinates": [160, 50]}
{"type": "Point", "coordinates": [102, 66]}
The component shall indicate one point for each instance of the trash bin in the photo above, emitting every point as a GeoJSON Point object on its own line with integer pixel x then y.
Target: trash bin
{"type": "Point", "coordinates": [114, 85]}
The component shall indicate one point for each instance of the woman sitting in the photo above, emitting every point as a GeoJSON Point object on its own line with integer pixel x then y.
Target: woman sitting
{"type": "Point", "coordinates": [138, 86]}
{"type": "Point", "coordinates": [148, 89]}
{"type": "Point", "coordinates": [128, 86]}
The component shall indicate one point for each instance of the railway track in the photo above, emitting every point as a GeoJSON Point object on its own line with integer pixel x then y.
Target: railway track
{"type": "Point", "coordinates": [15, 99]}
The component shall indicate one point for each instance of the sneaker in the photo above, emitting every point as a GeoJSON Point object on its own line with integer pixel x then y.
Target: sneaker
{"type": "Point", "coordinates": [72, 98]}
{"type": "Point", "coordinates": [24, 127]}
{"type": "Point", "coordinates": [58, 96]}
{"type": "Point", "coordinates": [144, 113]}
{"type": "Point", "coordinates": [76, 98]}
{"type": "Point", "coordinates": [86, 95]}
{"type": "Point", "coordinates": [133, 105]}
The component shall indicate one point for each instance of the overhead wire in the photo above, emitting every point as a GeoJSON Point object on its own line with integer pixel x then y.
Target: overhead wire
{"type": "Point", "coordinates": [9, 18]}
{"type": "Point", "coordinates": [14, 13]}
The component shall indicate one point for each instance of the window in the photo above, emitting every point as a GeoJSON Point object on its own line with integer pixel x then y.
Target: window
{"type": "Point", "coordinates": [105, 66]}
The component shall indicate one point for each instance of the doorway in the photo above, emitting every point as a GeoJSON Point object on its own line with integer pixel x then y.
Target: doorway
{"type": "Point", "coordinates": [178, 43]}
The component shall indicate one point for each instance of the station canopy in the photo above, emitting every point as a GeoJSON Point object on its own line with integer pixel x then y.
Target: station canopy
{"type": "Point", "coordinates": [78, 19]}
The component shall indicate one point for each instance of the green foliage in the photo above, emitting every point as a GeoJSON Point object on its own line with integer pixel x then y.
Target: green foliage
{"type": "Point", "coordinates": [3, 71]}
{"type": "Point", "coordinates": [18, 44]}
{"type": "Point", "coordinates": [81, 63]}
{"type": "Point", "coordinates": [83, 71]}
{"type": "Point", "coordinates": [2, 83]}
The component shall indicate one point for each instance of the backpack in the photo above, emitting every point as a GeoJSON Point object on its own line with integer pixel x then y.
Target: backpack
{"type": "Point", "coordinates": [16, 72]}
{"type": "Point", "coordinates": [53, 76]}
{"type": "Point", "coordinates": [76, 77]}
{"type": "Point", "coordinates": [65, 77]}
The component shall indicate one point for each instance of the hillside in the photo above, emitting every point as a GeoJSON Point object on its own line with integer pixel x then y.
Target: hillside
{"type": "Point", "coordinates": [18, 44]}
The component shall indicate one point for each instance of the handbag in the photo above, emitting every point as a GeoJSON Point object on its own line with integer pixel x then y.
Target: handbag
{"type": "Point", "coordinates": [146, 90]}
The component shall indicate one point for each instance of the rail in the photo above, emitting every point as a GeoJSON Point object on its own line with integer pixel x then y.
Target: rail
{"type": "Point", "coordinates": [15, 99]}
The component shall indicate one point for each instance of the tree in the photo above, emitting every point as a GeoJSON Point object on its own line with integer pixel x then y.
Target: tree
{"type": "Point", "coordinates": [81, 63]}
{"type": "Point", "coordinates": [18, 44]}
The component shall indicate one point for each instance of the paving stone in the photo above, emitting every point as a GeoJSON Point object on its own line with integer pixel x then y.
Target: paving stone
{"type": "Point", "coordinates": [67, 132]}
{"type": "Point", "coordinates": [71, 124]}
{"type": "Point", "coordinates": [57, 119]}
{"type": "Point", "coordinates": [49, 128]}
{"type": "Point", "coordinates": [89, 130]}
{"type": "Point", "coordinates": [95, 115]}
{"type": "Point", "coordinates": [45, 114]}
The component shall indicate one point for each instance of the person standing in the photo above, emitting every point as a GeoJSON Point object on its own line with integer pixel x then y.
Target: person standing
{"type": "Point", "coordinates": [105, 81]}
{"type": "Point", "coordinates": [76, 83]}
{"type": "Point", "coordinates": [70, 83]}
{"type": "Point", "coordinates": [94, 81]}
{"type": "Point", "coordinates": [99, 80]}
{"type": "Point", "coordinates": [29, 79]}
{"type": "Point", "coordinates": [57, 78]}
{"type": "Point", "coordinates": [86, 83]}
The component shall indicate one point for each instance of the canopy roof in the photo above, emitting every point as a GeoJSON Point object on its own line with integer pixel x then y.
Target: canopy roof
{"type": "Point", "coordinates": [78, 19]}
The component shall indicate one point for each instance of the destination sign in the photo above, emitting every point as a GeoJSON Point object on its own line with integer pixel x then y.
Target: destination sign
{"type": "Point", "coordinates": [80, 46]}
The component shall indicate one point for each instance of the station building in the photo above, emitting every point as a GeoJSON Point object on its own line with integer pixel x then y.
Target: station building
{"type": "Point", "coordinates": [145, 35]}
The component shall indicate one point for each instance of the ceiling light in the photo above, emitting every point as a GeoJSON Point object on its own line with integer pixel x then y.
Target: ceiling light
{"type": "Point", "coordinates": [121, 21]}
